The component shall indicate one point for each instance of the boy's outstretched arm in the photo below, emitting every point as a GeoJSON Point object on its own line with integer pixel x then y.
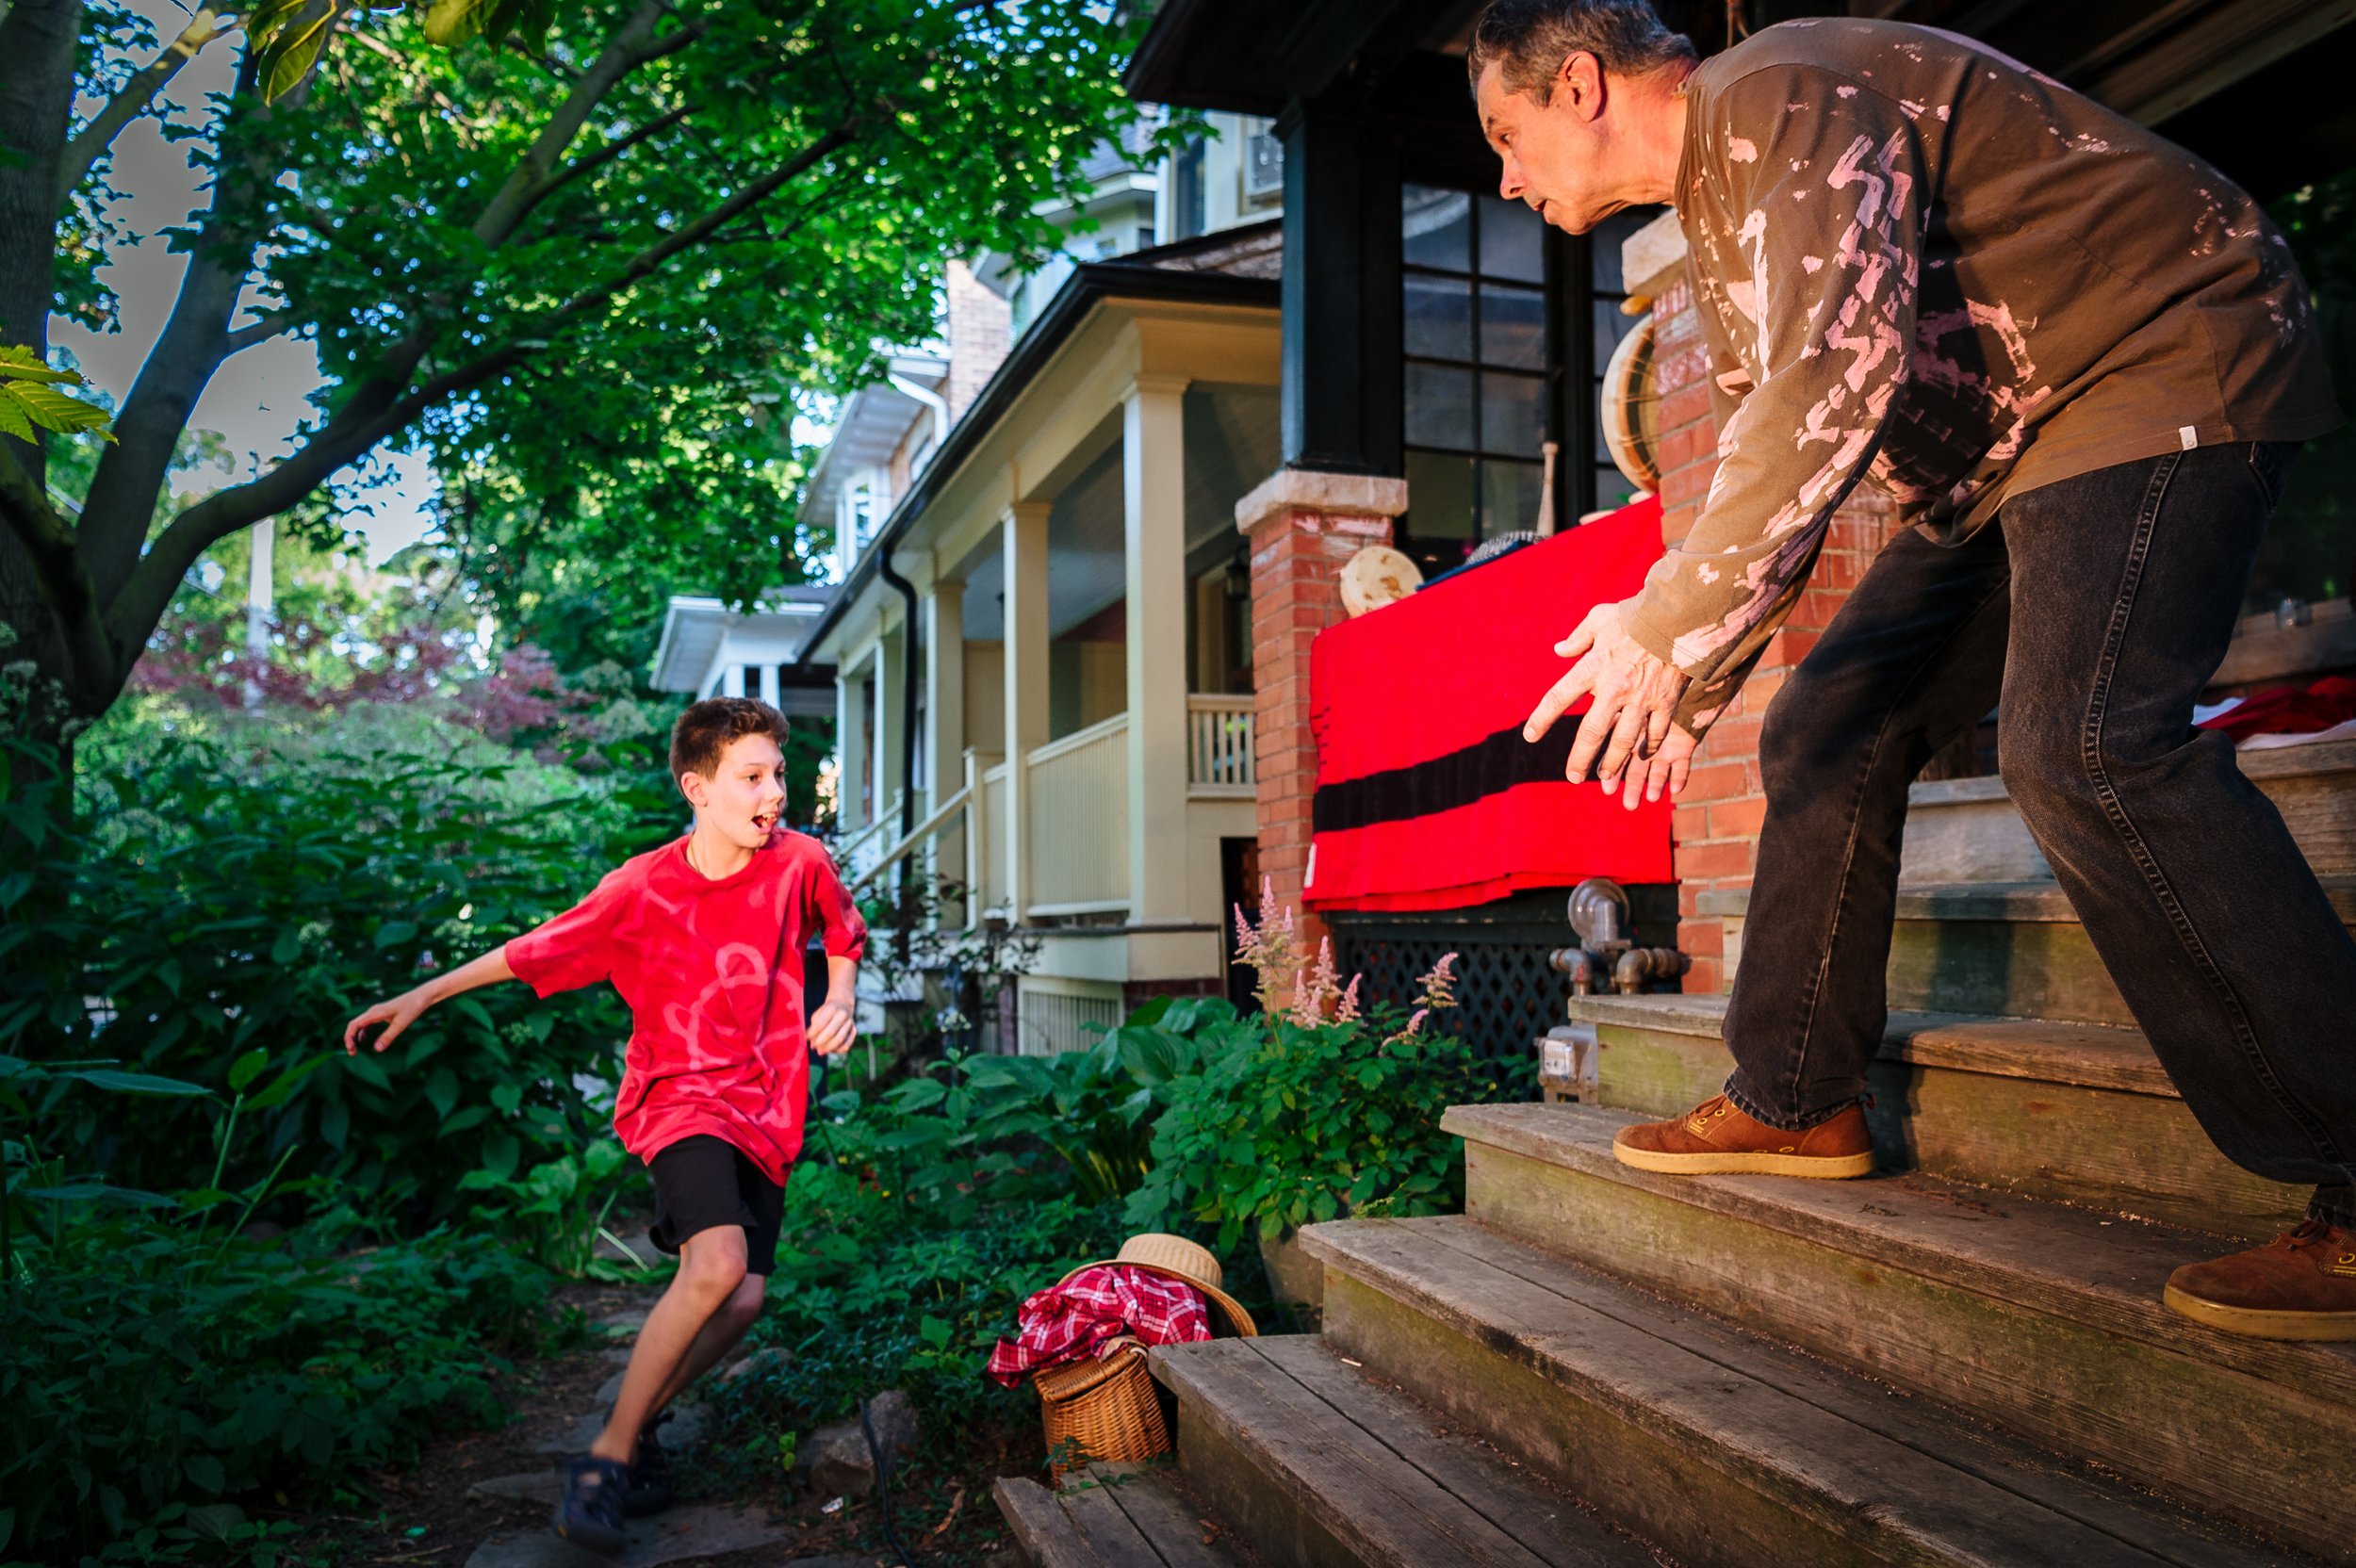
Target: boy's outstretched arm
{"type": "Point", "coordinates": [834, 1026]}
{"type": "Point", "coordinates": [403, 1010]}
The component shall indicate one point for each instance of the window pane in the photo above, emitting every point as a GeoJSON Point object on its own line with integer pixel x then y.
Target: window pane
{"type": "Point", "coordinates": [1439, 405]}
{"type": "Point", "coordinates": [1439, 316]}
{"type": "Point", "coordinates": [1512, 327]}
{"type": "Point", "coordinates": [1512, 412]}
{"type": "Point", "coordinates": [1435, 228]}
{"type": "Point", "coordinates": [1513, 241]}
{"type": "Point", "coordinates": [1613, 490]}
{"type": "Point", "coordinates": [1439, 496]}
{"type": "Point", "coordinates": [1605, 242]}
{"type": "Point", "coordinates": [1509, 495]}
{"type": "Point", "coordinates": [1611, 326]}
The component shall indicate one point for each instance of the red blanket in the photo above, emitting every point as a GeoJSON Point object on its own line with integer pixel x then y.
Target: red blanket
{"type": "Point", "coordinates": [1427, 798]}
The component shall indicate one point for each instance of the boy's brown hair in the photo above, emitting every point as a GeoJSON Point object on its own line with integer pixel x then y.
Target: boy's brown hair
{"type": "Point", "coordinates": [709, 728]}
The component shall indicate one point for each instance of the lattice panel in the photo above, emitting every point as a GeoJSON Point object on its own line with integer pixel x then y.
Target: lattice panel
{"type": "Point", "coordinates": [1506, 995]}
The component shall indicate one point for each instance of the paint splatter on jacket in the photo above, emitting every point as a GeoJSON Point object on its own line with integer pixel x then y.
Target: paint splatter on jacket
{"type": "Point", "coordinates": [1920, 262]}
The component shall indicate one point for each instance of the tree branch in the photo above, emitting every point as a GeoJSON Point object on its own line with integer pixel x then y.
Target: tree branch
{"type": "Point", "coordinates": [261, 331]}
{"type": "Point", "coordinates": [125, 106]}
{"type": "Point", "coordinates": [379, 410]}
{"type": "Point", "coordinates": [65, 585]}
{"type": "Point", "coordinates": [608, 153]}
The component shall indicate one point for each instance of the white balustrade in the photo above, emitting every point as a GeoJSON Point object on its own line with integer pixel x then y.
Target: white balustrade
{"type": "Point", "coordinates": [1219, 745]}
{"type": "Point", "coordinates": [1078, 832]}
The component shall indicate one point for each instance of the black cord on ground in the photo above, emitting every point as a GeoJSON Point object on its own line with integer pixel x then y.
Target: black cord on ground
{"type": "Point", "coordinates": [883, 1484]}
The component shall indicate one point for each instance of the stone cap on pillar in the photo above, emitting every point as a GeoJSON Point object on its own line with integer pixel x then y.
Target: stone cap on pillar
{"type": "Point", "coordinates": [1653, 257]}
{"type": "Point", "coordinates": [1317, 490]}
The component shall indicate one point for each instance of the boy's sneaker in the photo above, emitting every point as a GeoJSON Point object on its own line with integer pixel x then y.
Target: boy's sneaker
{"type": "Point", "coordinates": [649, 1490]}
{"type": "Point", "coordinates": [590, 1513]}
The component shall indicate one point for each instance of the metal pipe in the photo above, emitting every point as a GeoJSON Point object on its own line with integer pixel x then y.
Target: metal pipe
{"type": "Point", "coordinates": [907, 591]}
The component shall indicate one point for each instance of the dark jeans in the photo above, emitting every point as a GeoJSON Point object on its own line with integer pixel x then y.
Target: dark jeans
{"type": "Point", "coordinates": [2097, 607]}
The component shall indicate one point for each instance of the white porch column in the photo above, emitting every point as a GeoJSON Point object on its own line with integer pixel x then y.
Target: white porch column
{"type": "Point", "coordinates": [769, 684]}
{"type": "Point", "coordinates": [733, 680]}
{"type": "Point", "coordinates": [1024, 536]}
{"type": "Point", "coordinates": [1154, 516]}
{"type": "Point", "coordinates": [945, 715]}
{"type": "Point", "coordinates": [850, 748]}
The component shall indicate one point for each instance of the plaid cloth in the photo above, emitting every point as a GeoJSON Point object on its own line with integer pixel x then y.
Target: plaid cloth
{"type": "Point", "coordinates": [1075, 1319]}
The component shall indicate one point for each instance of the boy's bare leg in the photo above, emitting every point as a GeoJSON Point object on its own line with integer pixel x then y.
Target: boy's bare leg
{"type": "Point", "coordinates": [712, 1266]}
{"type": "Point", "coordinates": [719, 1336]}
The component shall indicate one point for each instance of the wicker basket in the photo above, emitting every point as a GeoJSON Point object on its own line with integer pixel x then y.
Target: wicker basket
{"type": "Point", "coordinates": [1106, 1409]}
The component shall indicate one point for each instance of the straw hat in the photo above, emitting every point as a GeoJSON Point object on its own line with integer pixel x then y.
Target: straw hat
{"type": "Point", "coordinates": [1179, 1259]}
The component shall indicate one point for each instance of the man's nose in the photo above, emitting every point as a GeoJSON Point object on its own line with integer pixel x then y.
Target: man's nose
{"type": "Point", "coordinates": [1509, 182]}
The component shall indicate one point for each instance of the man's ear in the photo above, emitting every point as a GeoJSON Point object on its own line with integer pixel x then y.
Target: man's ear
{"type": "Point", "coordinates": [1579, 85]}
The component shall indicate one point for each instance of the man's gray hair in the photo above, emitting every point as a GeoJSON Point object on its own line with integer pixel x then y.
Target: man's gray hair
{"type": "Point", "coordinates": [1528, 40]}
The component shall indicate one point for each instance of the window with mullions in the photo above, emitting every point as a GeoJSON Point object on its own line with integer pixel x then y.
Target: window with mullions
{"type": "Point", "coordinates": [1473, 281]}
{"type": "Point", "coordinates": [1608, 295]}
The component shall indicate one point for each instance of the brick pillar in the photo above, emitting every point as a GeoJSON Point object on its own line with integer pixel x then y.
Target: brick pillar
{"type": "Point", "coordinates": [1303, 526]}
{"type": "Point", "coordinates": [1718, 817]}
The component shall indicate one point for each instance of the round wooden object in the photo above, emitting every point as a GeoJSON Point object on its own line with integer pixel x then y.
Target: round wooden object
{"type": "Point", "coordinates": [1375, 577]}
{"type": "Point", "coordinates": [1631, 408]}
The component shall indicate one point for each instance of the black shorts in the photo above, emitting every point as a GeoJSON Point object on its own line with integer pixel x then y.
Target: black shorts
{"type": "Point", "coordinates": [702, 1182]}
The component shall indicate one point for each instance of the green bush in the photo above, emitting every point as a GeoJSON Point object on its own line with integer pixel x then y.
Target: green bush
{"type": "Point", "coordinates": [155, 1382]}
{"type": "Point", "coordinates": [203, 907]}
{"type": "Point", "coordinates": [1285, 1124]}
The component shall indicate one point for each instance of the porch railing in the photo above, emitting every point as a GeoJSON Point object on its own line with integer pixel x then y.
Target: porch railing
{"type": "Point", "coordinates": [1219, 745]}
{"type": "Point", "coordinates": [1079, 821]}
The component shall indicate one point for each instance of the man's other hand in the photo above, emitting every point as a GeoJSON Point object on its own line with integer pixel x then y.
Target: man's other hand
{"type": "Point", "coordinates": [831, 1029]}
{"type": "Point", "coordinates": [1631, 720]}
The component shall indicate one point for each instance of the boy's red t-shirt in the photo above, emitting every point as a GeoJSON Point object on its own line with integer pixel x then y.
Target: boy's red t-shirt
{"type": "Point", "coordinates": [713, 972]}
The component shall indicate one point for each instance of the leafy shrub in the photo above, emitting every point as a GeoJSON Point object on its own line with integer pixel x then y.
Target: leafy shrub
{"type": "Point", "coordinates": [157, 1380]}
{"type": "Point", "coordinates": [1305, 1111]}
{"type": "Point", "coordinates": [204, 907]}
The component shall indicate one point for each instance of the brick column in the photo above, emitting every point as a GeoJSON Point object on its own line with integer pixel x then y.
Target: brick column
{"type": "Point", "coordinates": [1718, 817]}
{"type": "Point", "coordinates": [1303, 526]}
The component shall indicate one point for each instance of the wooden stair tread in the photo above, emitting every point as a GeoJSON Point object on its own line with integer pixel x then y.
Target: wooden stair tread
{"type": "Point", "coordinates": [2090, 1056]}
{"type": "Point", "coordinates": [1109, 1516]}
{"type": "Point", "coordinates": [1369, 1466]}
{"type": "Point", "coordinates": [2042, 901]}
{"type": "Point", "coordinates": [2049, 1258]}
{"type": "Point", "coordinates": [1898, 1479]}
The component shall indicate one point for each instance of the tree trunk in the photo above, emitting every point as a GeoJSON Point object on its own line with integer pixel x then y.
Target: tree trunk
{"type": "Point", "coordinates": [37, 47]}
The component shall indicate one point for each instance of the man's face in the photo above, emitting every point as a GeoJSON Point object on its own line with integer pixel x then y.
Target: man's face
{"type": "Point", "coordinates": [745, 797]}
{"type": "Point", "coordinates": [1558, 155]}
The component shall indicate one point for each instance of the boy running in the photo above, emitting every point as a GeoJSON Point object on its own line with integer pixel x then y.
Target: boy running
{"type": "Point", "coordinates": [704, 939]}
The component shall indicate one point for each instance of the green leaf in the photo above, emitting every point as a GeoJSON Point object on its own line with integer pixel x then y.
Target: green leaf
{"type": "Point", "coordinates": [204, 1473]}
{"type": "Point", "coordinates": [286, 946]}
{"type": "Point", "coordinates": [135, 1082]}
{"type": "Point", "coordinates": [394, 932]}
{"type": "Point", "coordinates": [49, 409]}
{"type": "Point", "coordinates": [247, 1068]}
{"type": "Point", "coordinates": [442, 1090]}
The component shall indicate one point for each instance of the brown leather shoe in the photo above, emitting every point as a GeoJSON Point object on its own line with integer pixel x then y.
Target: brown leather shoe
{"type": "Point", "coordinates": [2300, 1285]}
{"type": "Point", "coordinates": [1717, 1138]}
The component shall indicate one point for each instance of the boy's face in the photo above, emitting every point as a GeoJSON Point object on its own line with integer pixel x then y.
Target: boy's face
{"type": "Point", "coordinates": [745, 794]}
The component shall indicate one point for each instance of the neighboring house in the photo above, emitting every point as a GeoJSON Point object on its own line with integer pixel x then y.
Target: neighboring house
{"type": "Point", "coordinates": [709, 650]}
{"type": "Point", "coordinates": [1041, 653]}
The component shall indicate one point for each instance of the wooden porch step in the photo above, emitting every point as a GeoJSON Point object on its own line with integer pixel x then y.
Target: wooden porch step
{"type": "Point", "coordinates": [2012, 948]}
{"type": "Point", "coordinates": [2043, 1319]}
{"type": "Point", "coordinates": [1968, 829]}
{"type": "Point", "coordinates": [1110, 1516]}
{"type": "Point", "coordinates": [1715, 1444]}
{"type": "Point", "coordinates": [2078, 1111]}
{"type": "Point", "coordinates": [1318, 1467]}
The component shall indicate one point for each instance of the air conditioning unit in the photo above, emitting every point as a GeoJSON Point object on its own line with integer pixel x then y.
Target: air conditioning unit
{"type": "Point", "coordinates": [1263, 165]}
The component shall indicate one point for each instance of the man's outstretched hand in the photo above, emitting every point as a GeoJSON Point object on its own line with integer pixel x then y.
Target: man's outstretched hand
{"type": "Point", "coordinates": [1630, 723]}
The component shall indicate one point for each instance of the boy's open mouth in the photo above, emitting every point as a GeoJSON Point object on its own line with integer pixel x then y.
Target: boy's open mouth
{"type": "Point", "coordinates": [765, 822]}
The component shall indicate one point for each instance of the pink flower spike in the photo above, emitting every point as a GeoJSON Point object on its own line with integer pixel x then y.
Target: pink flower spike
{"type": "Point", "coordinates": [1346, 1010]}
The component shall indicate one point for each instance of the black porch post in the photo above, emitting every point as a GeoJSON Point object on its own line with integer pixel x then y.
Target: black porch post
{"type": "Point", "coordinates": [1341, 292]}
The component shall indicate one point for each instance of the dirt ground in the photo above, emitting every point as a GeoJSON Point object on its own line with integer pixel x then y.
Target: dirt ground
{"type": "Point", "coordinates": [429, 1518]}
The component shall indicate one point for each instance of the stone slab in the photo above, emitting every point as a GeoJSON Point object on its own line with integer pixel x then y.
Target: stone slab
{"type": "Point", "coordinates": [683, 1534]}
